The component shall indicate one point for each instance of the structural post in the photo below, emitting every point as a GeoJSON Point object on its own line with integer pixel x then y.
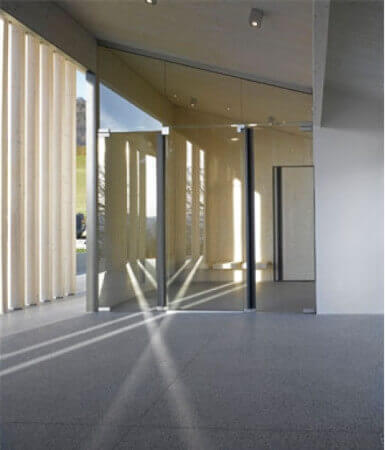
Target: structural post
{"type": "Point", "coordinates": [92, 119]}
{"type": "Point", "coordinates": [250, 220]}
{"type": "Point", "coordinates": [161, 220]}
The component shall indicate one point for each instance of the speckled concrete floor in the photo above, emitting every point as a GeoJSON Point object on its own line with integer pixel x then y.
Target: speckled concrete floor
{"type": "Point", "coordinates": [190, 381]}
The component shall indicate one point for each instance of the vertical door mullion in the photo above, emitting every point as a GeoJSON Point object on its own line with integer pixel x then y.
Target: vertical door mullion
{"type": "Point", "coordinates": [161, 220]}
{"type": "Point", "coordinates": [278, 267]}
{"type": "Point", "coordinates": [250, 220]}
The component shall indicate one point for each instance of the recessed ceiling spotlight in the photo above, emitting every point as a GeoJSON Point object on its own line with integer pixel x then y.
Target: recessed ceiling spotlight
{"type": "Point", "coordinates": [253, 124]}
{"type": "Point", "coordinates": [227, 108]}
{"type": "Point", "coordinates": [255, 18]}
{"type": "Point", "coordinates": [234, 139]}
{"type": "Point", "coordinates": [150, 2]}
{"type": "Point", "coordinates": [306, 126]}
{"type": "Point", "coordinates": [193, 102]}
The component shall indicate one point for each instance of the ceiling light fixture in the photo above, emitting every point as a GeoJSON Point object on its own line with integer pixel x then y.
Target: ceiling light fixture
{"type": "Point", "coordinates": [234, 139]}
{"type": "Point", "coordinates": [193, 102]}
{"type": "Point", "coordinates": [306, 126]}
{"type": "Point", "coordinates": [255, 18]}
{"type": "Point", "coordinates": [150, 2]}
{"type": "Point", "coordinates": [227, 108]}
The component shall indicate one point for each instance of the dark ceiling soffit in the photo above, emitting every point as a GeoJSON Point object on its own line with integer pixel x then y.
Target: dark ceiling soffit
{"type": "Point", "coordinates": [201, 66]}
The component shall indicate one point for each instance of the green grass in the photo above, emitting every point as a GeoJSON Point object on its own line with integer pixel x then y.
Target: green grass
{"type": "Point", "coordinates": [81, 180]}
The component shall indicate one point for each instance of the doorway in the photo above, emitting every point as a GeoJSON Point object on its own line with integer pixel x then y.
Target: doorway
{"type": "Point", "coordinates": [292, 287]}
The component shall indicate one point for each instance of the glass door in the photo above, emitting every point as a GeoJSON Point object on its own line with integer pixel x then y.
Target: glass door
{"type": "Point", "coordinates": [127, 205]}
{"type": "Point", "coordinates": [205, 207]}
{"type": "Point", "coordinates": [284, 218]}
{"type": "Point", "coordinates": [204, 219]}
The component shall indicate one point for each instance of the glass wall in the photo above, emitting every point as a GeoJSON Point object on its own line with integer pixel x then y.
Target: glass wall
{"type": "Point", "coordinates": [205, 229]}
{"type": "Point", "coordinates": [284, 219]}
{"type": "Point", "coordinates": [205, 187]}
{"type": "Point", "coordinates": [127, 205]}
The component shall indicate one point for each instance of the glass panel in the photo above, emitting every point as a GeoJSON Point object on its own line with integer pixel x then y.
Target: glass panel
{"type": "Point", "coordinates": [127, 205]}
{"type": "Point", "coordinates": [205, 229]}
{"type": "Point", "coordinates": [205, 182]}
{"type": "Point", "coordinates": [284, 219]}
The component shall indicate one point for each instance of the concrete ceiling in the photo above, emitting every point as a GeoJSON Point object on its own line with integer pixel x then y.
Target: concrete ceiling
{"type": "Point", "coordinates": [355, 52]}
{"type": "Point", "coordinates": [211, 32]}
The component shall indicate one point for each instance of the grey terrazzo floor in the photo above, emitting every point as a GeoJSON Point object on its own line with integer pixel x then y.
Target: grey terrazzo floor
{"type": "Point", "coordinates": [155, 380]}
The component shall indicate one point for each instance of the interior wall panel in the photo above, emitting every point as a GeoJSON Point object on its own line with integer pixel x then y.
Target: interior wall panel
{"type": "Point", "coordinates": [68, 150]}
{"type": "Point", "coordinates": [298, 223]}
{"type": "Point", "coordinates": [45, 139]}
{"type": "Point", "coordinates": [3, 165]}
{"type": "Point", "coordinates": [57, 177]}
{"type": "Point", "coordinates": [72, 193]}
{"type": "Point", "coordinates": [32, 172]}
{"type": "Point", "coordinates": [16, 167]}
{"type": "Point", "coordinates": [37, 169]}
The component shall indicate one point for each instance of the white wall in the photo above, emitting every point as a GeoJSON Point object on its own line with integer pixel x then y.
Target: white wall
{"type": "Point", "coordinates": [348, 158]}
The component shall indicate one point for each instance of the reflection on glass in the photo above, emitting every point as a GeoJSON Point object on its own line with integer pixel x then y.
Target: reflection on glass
{"type": "Point", "coordinates": [202, 200]}
{"type": "Point", "coordinates": [205, 198]}
{"type": "Point", "coordinates": [127, 207]}
{"type": "Point", "coordinates": [189, 196]}
{"type": "Point", "coordinates": [284, 227]}
{"type": "Point", "coordinates": [118, 114]}
{"type": "Point", "coordinates": [205, 262]}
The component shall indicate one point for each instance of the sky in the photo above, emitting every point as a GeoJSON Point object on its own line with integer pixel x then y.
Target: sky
{"type": "Point", "coordinates": [116, 113]}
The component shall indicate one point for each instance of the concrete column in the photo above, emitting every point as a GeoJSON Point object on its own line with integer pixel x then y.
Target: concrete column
{"type": "Point", "coordinates": [57, 177]}
{"type": "Point", "coordinates": [3, 165]}
{"type": "Point", "coordinates": [45, 136]}
{"type": "Point", "coordinates": [195, 204]}
{"type": "Point", "coordinates": [68, 150]}
{"type": "Point", "coordinates": [16, 167]}
{"type": "Point", "coordinates": [32, 172]}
